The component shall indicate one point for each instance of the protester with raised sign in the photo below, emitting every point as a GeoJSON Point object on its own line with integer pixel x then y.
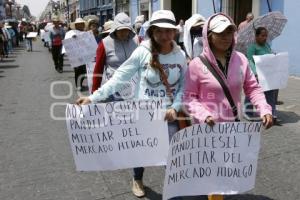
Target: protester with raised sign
{"type": "Point", "coordinates": [57, 34]}
{"type": "Point", "coordinates": [215, 80]}
{"type": "Point", "coordinates": [261, 47]}
{"type": "Point", "coordinates": [160, 65]}
{"type": "Point", "coordinates": [114, 49]}
{"type": "Point", "coordinates": [78, 26]}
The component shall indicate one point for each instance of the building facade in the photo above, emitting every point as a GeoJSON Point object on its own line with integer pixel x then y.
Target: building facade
{"type": "Point", "coordinates": [13, 10]}
{"type": "Point", "coordinates": [237, 9]}
{"type": "Point", "coordinates": [104, 9]}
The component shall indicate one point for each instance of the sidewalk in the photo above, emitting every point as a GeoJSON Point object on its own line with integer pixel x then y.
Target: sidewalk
{"type": "Point", "coordinates": [36, 161]}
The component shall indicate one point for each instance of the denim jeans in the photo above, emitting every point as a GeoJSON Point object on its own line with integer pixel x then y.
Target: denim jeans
{"type": "Point", "coordinates": [271, 100]}
{"type": "Point", "coordinates": [249, 109]}
{"type": "Point", "coordinates": [139, 171]}
{"type": "Point", "coordinates": [29, 44]}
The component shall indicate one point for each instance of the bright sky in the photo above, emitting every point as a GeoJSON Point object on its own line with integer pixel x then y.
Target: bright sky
{"type": "Point", "coordinates": [36, 6]}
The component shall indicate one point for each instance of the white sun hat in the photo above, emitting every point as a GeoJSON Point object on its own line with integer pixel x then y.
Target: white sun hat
{"type": "Point", "coordinates": [163, 19]}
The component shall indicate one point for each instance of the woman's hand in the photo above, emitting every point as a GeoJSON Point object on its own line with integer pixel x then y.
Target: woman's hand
{"type": "Point", "coordinates": [210, 121]}
{"type": "Point", "coordinates": [267, 121]}
{"type": "Point", "coordinates": [171, 115]}
{"type": "Point", "coordinates": [83, 101]}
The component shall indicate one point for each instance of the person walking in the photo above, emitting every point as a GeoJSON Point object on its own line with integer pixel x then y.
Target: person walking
{"type": "Point", "coordinates": [192, 37]}
{"type": "Point", "coordinates": [215, 80]}
{"type": "Point", "coordinates": [57, 34]}
{"type": "Point", "coordinates": [28, 28]}
{"type": "Point", "coordinates": [77, 27]}
{"type": "Point", "coordinates": [180, 33]}
{"type": "Point", "coordinates": [243, 24]}
{"type": "Point", "coordinates": [231, 68]}
{"type": "Point", "coordinates": [261, 47]}
{"type": "Point", "coordinates": [160, 65]}
{"type": "Point", "coordinates": [2, 39]}
{"type": "Point", "coordinates": [114, 50]}
{"type": "Point", "coordinates": [93, 26]}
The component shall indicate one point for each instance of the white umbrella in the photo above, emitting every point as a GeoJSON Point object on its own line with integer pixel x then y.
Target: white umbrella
{"type": "Point", "coordinates": [274, 22]}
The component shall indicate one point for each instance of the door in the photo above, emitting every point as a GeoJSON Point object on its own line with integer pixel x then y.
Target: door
{"type": "Point", "coordinates": [181, 9]}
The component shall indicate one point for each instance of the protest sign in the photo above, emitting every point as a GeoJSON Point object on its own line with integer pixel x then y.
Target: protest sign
{"type": "Point", "coordinates": [207, 160]}
{"type": "Point", "coordinates": [31, 35]}
{"type": "Point", "coordinates": [118, 135]}
{"type": "Point", "coordinates": [80, 49]}
{"type": "Point", "coordinates": [272, 70]}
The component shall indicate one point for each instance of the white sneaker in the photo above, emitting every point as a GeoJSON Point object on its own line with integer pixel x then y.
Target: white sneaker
{"type": "Point", "coordinates": [138, 188]}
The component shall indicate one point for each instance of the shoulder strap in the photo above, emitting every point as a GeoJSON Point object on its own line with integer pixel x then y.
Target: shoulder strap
{"type": "Point", "coordinates": [223, 85]}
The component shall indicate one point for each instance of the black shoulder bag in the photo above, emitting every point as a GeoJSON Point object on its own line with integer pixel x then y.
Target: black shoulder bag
{"type": "Point", "coordinates": [223, 85]}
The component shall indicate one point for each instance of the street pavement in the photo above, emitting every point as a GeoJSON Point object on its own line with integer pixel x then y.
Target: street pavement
{"type": "Point", "coordinates": [36, 161]}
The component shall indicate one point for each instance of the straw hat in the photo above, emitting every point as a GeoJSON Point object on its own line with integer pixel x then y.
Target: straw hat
{"type": "Point", "coordinates": [78, 21]}
{"type": "Point", "coordinates": [107, 26]}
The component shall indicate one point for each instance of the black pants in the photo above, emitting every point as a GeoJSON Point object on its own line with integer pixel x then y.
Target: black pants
{"type": "Point", "coordinates": [58, 58]}
{"type": "Point", "coordinates": [21, 36]}
{"type": "Point", "coordinates": [80, 74]}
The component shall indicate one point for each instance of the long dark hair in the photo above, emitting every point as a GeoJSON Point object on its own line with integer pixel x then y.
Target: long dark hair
{"type": "Point", "coordinates": [259, 30]}
{"type": "Point", "coordinates": [155, 49]}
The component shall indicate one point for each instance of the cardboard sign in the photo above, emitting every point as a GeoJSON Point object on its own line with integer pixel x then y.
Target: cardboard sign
{"type": "Point", "coordinates": [207, 160]}
{"type": "Point", "coordinates": [118, 135]}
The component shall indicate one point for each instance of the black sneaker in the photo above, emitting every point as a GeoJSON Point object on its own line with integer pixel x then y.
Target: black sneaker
{"type": "Point", "coordinates": [279, 102]}
{"type": "Point", "coordinates": [277, 122]}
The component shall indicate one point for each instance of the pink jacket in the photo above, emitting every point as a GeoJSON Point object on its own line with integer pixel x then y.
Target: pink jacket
{"type": "Point", "coordinates": [204, 96]}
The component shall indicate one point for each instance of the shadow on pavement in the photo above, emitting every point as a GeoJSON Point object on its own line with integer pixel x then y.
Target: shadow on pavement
{"type": "Point", "coordinates": [7, 60]}
{"type": "Point", "coordinates": [2, 76]}
{"type": "Point", "coordinates": [288, 117]}
{"type": "Point", "coordinates": [247, 197]}
{"type": "Point", "coordinates": [152, 195]}
{"type": "Point", "coordinates": [9, 66]}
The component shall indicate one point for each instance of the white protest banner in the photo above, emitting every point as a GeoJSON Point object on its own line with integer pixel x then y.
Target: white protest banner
{"type": "Point", "coordinates": [118, 135]}
{"type": "Point", "coordinates": [207, 160]}
{"type": "Point", "coordinates": [80, 49]}
{"type": "Point", "coordinates": [272, 70]}
{"type": "Point", "coordinates": [127, 91]}
{"type": "Point", "coordinates": [32, 35]}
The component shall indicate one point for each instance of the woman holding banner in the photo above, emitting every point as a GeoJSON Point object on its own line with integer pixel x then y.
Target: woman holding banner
{"type": "Point", "coordinates": [160, 65]}
{"type": "Point", "coordinates": [216, 79]}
